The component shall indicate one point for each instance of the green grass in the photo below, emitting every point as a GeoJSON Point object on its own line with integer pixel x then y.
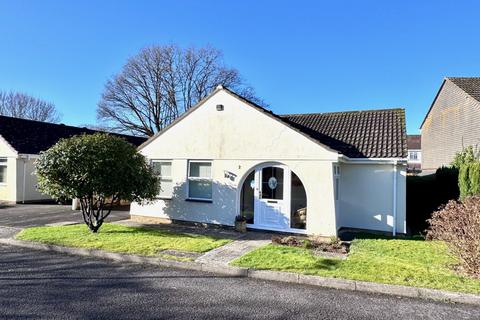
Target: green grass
{"type": "Point", "coordinates": [403, 262]}
{"type": "Point", "coordinates": [118, 238]}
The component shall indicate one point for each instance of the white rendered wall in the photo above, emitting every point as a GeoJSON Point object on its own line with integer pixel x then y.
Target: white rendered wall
{"type": "Point", "coordinates": [8, 189]}
{"type": "Point", "coordinates": [366, 197]}
{"type": "Point", "coordinates": [237, 139]}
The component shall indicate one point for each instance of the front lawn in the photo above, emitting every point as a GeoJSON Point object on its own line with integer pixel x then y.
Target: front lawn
{"type": "Point", "coordinates": [403, 262]}
{"type": "Point", "coordinates": [118, 238]}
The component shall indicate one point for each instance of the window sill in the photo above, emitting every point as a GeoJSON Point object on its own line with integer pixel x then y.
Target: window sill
{"type": "Point", "coordinates": [164, 198]}
{"type": "Point", "coordinates": [199, 200]}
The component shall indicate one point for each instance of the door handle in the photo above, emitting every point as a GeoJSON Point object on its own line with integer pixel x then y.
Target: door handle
{"type": "Point", "coordinates": [272, 201]}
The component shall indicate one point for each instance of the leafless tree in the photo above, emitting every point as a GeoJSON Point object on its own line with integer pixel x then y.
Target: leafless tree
{"type": "Point", "coordinates": [160, 83]}
{"type": "Point", "coordinates": [21, 105]}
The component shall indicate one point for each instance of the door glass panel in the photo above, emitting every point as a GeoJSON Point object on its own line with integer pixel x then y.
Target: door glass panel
{"type": "Point", "coordinates": [272, 183]}
{"type": "Point", "coordinates": [247, 197]}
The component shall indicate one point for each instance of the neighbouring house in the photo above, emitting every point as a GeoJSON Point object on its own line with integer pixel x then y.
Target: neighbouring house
{"type": "Point", "coordinates": [21, 141]}
{"type": "Point", "coordinates": [300, 173]}
{"type": "Point", "coordinates": [451, 123]}
{"type": "Point", "coordinates": [414, 146]}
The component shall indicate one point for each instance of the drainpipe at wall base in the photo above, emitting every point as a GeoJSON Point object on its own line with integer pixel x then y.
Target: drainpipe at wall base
{"type": "Point", "coordinates": [394, 231]}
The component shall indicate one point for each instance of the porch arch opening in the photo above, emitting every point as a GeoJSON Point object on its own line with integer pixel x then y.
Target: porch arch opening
{"type": "Point", "coordinates": [254, 195]}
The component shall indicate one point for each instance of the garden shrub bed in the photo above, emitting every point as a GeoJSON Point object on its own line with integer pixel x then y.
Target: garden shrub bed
{"type": "Point", "coordinates": [317, 245]}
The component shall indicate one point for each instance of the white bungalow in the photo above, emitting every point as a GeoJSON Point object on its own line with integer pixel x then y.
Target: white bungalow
{"type": "Point", "coordinates": [300, 173]}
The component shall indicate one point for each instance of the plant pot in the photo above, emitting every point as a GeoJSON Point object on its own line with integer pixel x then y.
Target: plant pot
{"type": "Point", "coordinates": [241, 226]}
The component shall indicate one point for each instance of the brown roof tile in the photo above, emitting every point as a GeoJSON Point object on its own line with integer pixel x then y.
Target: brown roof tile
{"type": "Point", "coordinates": [414, 141]}
{"type": "Point", "coordinates": [31, 137]}
{"type": "Point", "coordinates": [471, 85]}
{"type": "Point", "coordinates": [357, 134]}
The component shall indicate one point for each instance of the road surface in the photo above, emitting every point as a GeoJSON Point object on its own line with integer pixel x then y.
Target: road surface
{"type": "Point", "coordinates": [36, 284]}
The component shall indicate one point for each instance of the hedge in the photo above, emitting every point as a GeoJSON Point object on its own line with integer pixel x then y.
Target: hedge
{"type": "Point", "coordinates": [425, 194]}
{"type": "Point", "coordinates": [469, 179]}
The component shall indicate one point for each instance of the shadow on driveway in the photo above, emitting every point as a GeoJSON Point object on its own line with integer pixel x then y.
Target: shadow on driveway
{"type": "Point", "coordinates": [32, 215]}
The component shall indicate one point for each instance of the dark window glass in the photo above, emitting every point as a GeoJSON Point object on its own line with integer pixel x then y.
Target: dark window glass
{"type": "Point", "coordinates": [247, 197]}
{"type": "Point", "coordinates": [272, 183]}
{"type": "Point", "coordinates": [298, 218]}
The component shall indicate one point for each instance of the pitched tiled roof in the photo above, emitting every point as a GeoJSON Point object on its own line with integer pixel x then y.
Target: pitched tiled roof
{"type": "Point", "coordinates": [357, 134]}
{"type": "Point", "coordinates": [31, 137]}
{"type": "Point", "coordinates": [470, 85]}
{"type": "Point", "coordinates": [414, 141]}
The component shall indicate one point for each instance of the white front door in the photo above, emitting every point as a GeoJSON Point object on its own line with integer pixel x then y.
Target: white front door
{"type": "Point", "coordinates": [272, 197]}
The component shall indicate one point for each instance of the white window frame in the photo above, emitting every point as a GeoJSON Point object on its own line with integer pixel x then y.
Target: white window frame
{"type": "Point", "coordinates": [189, 178]}
{"type": "Point", "coordinates": [4, 164]}
{"type": "Point", "coordinates": [166, 178]}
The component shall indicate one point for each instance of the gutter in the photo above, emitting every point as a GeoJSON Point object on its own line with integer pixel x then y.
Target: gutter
{"type": "Point", "coordinates": [345, 159]}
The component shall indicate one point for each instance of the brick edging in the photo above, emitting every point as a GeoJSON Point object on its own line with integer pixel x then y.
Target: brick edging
{"type": "Point", "coordinates": [335, 283]}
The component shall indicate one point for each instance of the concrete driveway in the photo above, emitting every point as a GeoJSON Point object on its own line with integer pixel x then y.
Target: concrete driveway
{"type": "Point", "coordinates": [31, 215]}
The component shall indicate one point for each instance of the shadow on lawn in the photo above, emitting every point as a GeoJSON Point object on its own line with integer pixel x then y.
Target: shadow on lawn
{"type": "Point", "coordinates": [362, 235]}
{"type": "Point", "coordinates": [327, 264]}
{"type": "Point", "coordinates": [157, 233]}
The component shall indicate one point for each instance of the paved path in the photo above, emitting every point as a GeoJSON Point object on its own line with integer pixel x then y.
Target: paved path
{"type": "Point", "coordinates": [8, 232]}
{"type": "Point", "coordinates": [45, 285]}
{"type": "Point", "coordinates": [31, 215]}
{"type": "Point", "coordinates": [229, 252]}
{"type": "Point", "coordinates": [242, 244]}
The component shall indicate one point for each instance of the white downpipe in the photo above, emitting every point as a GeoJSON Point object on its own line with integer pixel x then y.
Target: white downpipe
{"type": "Point", "coordinates": [24, 179]}
{"type": "Point", "coordinates": [394, 198]}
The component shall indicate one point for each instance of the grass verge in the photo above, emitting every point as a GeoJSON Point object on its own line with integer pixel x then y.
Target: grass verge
{"type": "Point", "coordinates": [402, 262]}
{"type": "Point", "coordinates": [124, 239]}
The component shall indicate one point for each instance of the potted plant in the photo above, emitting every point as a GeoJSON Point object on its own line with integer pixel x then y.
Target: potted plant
{"type": "Point", "coordinates": [240, 223]}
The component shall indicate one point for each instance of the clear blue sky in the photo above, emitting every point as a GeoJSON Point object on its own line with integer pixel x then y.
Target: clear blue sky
{"type": "Point", "coordinates": [300, 56]}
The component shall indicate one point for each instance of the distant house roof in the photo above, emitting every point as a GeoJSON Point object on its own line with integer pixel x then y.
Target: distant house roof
{"type": "Point", "coordinates": [414, 141]}
{"type": "Point", "coordinates": [470, 85]}
{"type": "Point", "coordinates": [357, 134]}
{"type": "Point", "coordinates": [31, 137]}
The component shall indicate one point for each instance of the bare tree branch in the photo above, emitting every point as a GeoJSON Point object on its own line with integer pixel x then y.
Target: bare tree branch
{"type": "Point", "coordinates": [160, 83]}
{"type": "Point", "coordinates": [21, 105]}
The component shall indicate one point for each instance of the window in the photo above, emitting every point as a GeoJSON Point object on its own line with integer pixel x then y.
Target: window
{"type": "Point", "coordinates": [164, 170]}
{"type": "Point", "coordinates": [336, 177]}
{"type": "Point", "coordinates": [200, 180]}
{"type": "Point", "coordinates": [413, 155]}
{"type": "Point", "coordinates": [3, 170]}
